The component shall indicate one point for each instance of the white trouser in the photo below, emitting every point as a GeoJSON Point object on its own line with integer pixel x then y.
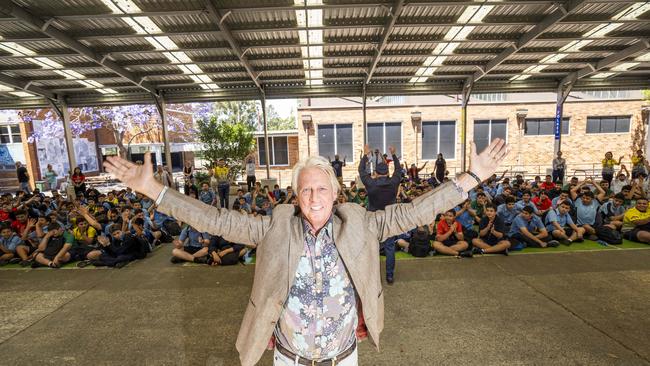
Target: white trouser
{"type": "Point", "coordinates": [281, 360]}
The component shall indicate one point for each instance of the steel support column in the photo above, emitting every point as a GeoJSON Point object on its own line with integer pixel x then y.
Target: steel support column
{"type": "Point", "coordinates": [562, 93]}
{"type": "Point", "coordinates": [363, 109]}
{"type": "Point", "coordinates": [467, 91]}
{"type": "Point", "coordinates": [267, 147]}
{"type": "Point", "coordinates": [64, 114]}
{"type": "Point", "coordinates": [161, 105]}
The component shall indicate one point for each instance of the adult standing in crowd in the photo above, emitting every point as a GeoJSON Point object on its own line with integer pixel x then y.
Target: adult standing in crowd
{"type": "Point", "coordinates": [221, 172]}
{"type": "Point", "coordinates": [382, 191]}
{"type": "Point", "coordinates": [163, 177]}
{"type": "Point", "coordinates": [188, 174]}
{"type": "Point", "coordinates": [559, 167]}
{"type": "Point", "coordinates": [441, 168]}
{"type": "Point", "coordinates": [79, 181]}
{"type": "Point", "coordinates": [23, 177]}
{"type": "Point", "coordinates": [338, 165]}
{"type": "Point", "coordinates": [51, 178]}
{"type": "Point", "coordinates": [638, 164]}
{"type": "Point", "coordinates": [414, 172]}
{"type": "Point", "coordinates": [608, 166]}
{"type": "Point", "coordinates": [250, 165]}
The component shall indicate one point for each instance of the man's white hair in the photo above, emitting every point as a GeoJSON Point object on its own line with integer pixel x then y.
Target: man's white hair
{"type": "Point", "coordinates": [317, 162]}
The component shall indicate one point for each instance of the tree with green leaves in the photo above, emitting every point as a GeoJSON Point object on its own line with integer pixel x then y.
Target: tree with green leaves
{"type": "Point", "coordinates": [226, 132]}
{"type": "Point", "coordinates": [277, 123]}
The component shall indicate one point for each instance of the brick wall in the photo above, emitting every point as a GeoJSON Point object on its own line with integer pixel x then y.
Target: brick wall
{"type": "Point", "coordinates": [531, 152]}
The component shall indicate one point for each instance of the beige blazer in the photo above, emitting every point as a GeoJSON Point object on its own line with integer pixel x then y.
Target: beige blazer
{"type": "Point", "coordinates": [279, 242]}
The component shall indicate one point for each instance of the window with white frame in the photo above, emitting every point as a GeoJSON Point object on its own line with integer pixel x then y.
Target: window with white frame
{"type": "Point", "coordinates": [381, 135]}
{"type": "Point", "coordinates": [486, 130]}
{"type": "Point", "coordinates": [336, 139]}
{"type": "Point", "coordinates": [10, 134]}
{"type": "Point", "coordinates": [544, 126]}
{"type": "Point", "coordinates": [608, 124]}
{"type": "Point", "coordinates": [438, 137]}
{"type": "Point", "coordinates": [279, 152]}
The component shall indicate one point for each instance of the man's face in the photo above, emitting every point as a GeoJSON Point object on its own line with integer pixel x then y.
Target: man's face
{"type": "Point", "coordinates": [526, 197]}
{"type": "Point", "coordinates": [490, 213]}
{"type": "Point", "coordinates": [21, 218]}
{"type": "Point", "coordinates": [336, 157]}
{"type": "Point", "coordinates": [140, 215]}
{"type": "Point", "coordinates": [82, 225]}
{"type": "Point", "coordinates": [549, 179]}
{"type": "Point", "coordinates": [618, 202]}
{"type": "Point", "coordinates": [604, 185]}
{"type": "Point", "coordinates": [315, 196]}
{"type": "Point", "coordinates": [625, 191]}
{"type": "Point", "coordinates": [586, 200]}
{"type": "Point", "coordinates": [563, 196]}
{"type": "Point", "coordinates": [510, 206]}
{"type": "Point", "coordinates": [642, 205]}
{"type": "Point", "coordinates": [526, 216]}
{"type": "Point", "coordinates": [117, 234]}
{"type": "Point", "coordinates": [137, 205]}
{"type": "Point", "coordinates": [481, 200]}
{"type": "Point", "coordinates": [42, 221]}
{"type": "Point", "coordinates": [621, 177]}
{"type": "Point", "coordinates": [204, 187]}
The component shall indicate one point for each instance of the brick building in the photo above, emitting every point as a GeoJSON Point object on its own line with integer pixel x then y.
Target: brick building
{"type": "Point", "coordinates": [594, 123]}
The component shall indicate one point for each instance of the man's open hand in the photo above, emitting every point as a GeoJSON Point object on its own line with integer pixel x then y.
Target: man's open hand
{"type": "Point", "coordinates": [137, 177]}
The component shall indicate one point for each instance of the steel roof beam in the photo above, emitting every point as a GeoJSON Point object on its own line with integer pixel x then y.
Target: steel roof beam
{"type": "Point", "coordinates": [25, 17]}
{"type": "Point", "coordinates": [26, 85]}
{"type": "Point", "coordinates": [549, 21]}
{"type": "Point", "coordinates": [218, 20]}
{"type": "Point", "coordinates": [640, 46]}
{"type": "Point", "coordinates": [388, 28]}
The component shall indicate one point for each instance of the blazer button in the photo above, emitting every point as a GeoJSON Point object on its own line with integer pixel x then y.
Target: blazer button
{"type": "Point", "coordinates": [272, 322]}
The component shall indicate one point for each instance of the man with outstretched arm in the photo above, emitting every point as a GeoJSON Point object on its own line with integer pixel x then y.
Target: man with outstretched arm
{"type": "Point", "coordinates": [314, 261]}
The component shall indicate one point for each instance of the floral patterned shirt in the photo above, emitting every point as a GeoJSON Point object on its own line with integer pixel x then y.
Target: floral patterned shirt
{"type": "Point", "coordinates": [319, 318]}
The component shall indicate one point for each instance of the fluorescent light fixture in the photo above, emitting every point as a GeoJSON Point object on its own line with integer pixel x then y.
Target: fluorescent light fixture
{"type": "Point", "coordinates": [575, 46]}
{"type": "Point", "coordinates": [110, 91]}
{"type": "Point", "coordinates": [624, 66]}
{"type": "Point", "coordinates": [316, 36]}
{"type": "Point", "coordinates": [182, 57]}
{"type": "Point", "coordinates": [195, 69]}
{"type": "Point", "coordinates": [439, 48]}
{"type": "Point", "coordinates": [47, 63]}
{"type": "Point", "coordinates": [147, 24]}
{"type": "Point", "coordinates": [167, 43]}
{"type": "Point", "coordinates": [301, 18]}
{"type": "Point", "coordinates": [196, 79]}
{"type": "Point", "coordinates": [21, 94]}
{"type": "Point", "coordinates": [312, 64]}
{"type": "Point", "coordinates": [315, 51]}
{"type": "Point", "coordinates": [70, 74]}
{"type": "Point", "coordinates": [554, 58]}
{"type": "Point", "coordinates": [633, 11]}
{"type": "Point", "coordinates": [602, 75]}
{"type": "Point", "coordinates": [103, 91]}
{"type": "Point", "coordinates": [302, 35]}
{"type": "Point", "coordinates": [16, 49]}
{"type": "Point", "coordinates": [601, 30]}
{"type": "Point", "coordinates": [4, 88]}
{"type": "Point", "coordinates": [212, 86]}
{"type": "Point", "coordinates": [467, 14]}
{"type": "Point", "coordinates": [121, 6]}
{"type": "Point", "coordinates": [204, 86]}
{"type": "Point", "coordinates": [316, 74]}
{"type": "Point", "coordinates": [204, 78]}
{"type": "Point", "coordinates": [644, 57]}
{"type": "Point", "coordinates": [315, 82]}
{"type": "Point", "coordinates": [315, 17]}
{"type": "Point", "coordinates": [425, 71]}
{"type": "Point", "coordinates": [309, 2]}
{"type": "Point", "coordinates": [457, 33]}
{"type": "Point", "coordinates": [438, 61]}
{"type": "Point", "coordinates": [95, 83]}
{"type": "Point", "coordinates": [185, 69]}
{"type": "Point", "coordinates": [413, 80]}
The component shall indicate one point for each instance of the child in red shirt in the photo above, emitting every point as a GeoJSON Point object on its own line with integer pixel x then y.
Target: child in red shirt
{"type": "Point", "coordinates": [449, 237]}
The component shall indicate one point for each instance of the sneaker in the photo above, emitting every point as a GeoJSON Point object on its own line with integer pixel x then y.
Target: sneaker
{"type": "Point", "coordinates": [175, 260]}
{"type": "Point", "coordinates": [201, 260]}
{"type": "Point", "coordinates": [121, 264]}
{"type": "Point", "coordinates": [3, 262]}
{"type": "Point", "coordinates": [14, 260]}
{"type": "Point", "coordinates": [25, 263]}
{"type": "Point", "coordinates": [476, 251]}
{"type": "Point", "coordinates": [566, 241]}
{"type": "Point", "coordinates": [602, 242]}
{"type": "Point", "coordinates": [553, 244]}
{"type": "Point", "coordinates": [83, 264]}
{"type": "Point", "coordinates": [593, 237]}
{"type": "Point", "coordinates": [33, 264]}
{"type": "Point", "coordinates": [505, 252]}
{"type": "Point", "coordinates": [390, 280]}
{"type": "Point", "coordinates": [466, 254]}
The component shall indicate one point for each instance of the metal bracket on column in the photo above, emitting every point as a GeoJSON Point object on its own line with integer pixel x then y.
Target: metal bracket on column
{"type": "Point", "coordinates": [467, 90]}
{"type": "Point", "coordinates": [56, 108]}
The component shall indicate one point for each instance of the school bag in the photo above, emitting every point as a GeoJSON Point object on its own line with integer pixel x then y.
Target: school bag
{"type": "Point", "coordinates": [609, 235]}
{"type": "Point", "coordinates": [419, 245]}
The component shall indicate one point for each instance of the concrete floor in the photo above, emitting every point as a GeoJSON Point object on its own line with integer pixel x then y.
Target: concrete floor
{"type": "Point", "coordinates": [588, 308]}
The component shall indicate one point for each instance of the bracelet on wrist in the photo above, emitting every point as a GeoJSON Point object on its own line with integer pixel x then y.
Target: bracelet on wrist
{"type": "Point", "coordinates": [471, 174]}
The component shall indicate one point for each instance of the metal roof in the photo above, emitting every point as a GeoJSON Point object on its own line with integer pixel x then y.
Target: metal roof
{"type": "Point", "coordinates": [102, 52]}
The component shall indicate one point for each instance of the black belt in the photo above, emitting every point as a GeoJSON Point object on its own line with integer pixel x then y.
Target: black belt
{"type": "Point", "coordinates": [305, 361]}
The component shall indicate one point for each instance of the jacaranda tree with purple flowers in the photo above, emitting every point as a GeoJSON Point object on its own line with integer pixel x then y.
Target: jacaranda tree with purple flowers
{"type": "Point", "coordinates": [123, 121]}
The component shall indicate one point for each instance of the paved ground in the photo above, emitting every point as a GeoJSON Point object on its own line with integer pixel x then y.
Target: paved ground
{"type": "Point", "coordinates": [587, 308]}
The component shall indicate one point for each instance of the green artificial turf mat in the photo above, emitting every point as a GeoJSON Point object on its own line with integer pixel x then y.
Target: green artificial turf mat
{"type": "Point", "coordinates": [70, 265]}
{"type": "Point", "coordinates": [632, 245]}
